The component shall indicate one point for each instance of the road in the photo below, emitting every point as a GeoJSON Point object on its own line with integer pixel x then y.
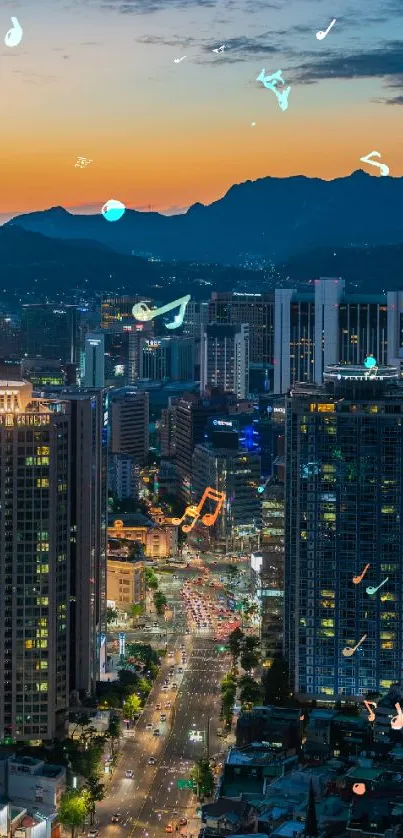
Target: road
{"type": "Point", "coordinates": [153, 790]}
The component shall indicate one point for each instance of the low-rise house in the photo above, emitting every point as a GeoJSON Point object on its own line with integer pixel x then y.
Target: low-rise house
{"type": "Point", "coordinates": [248, 771]}
{"type": "Point", "coordinates": [35, 781]}
{"type": "Point", "coordinates": [277, 727]}
{"type": "Point", "coordinates": [229, 817]}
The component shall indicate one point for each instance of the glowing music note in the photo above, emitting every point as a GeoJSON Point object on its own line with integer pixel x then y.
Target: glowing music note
{"type": "Point", "coordinates": [220, 49]}
{"type": "Point", "coordinates": [359, 788]}
{"type": "Point", "coordinates": [382, 166]}
{"type": "Point", "coordinates": [262, 488]}
{"type": "Point", "coordinates": [320, 35]}
{"type": "Point", "coordinates": [194, 511]}
{"type": "Point", "coordinates": [270, 82]}
{"type": "Point", "coordinates": [349, 650]}
{"type": "Point", "coordinates": [178, 60]}
{"type": "Point", "coordinates": [142, 312]}
{"type": "Point", "coordinates": [371, 590]}
{"type": "Point", "coordinates": [397, 721]}
{"type": "Point", "coordinates": [371, 714]}
{"type": "Point", "coordinates": [14, 35]}
{"type": "Point", "coordinates": [358, 579]}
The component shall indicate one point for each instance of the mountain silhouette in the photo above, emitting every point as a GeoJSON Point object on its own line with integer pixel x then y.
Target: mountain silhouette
{"type": "Point", "coordinates": [271, 219]}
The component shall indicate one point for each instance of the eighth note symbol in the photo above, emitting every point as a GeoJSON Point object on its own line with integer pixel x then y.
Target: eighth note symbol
{"type": "Point", "coordinates": [209, 518]}
{"type": "Point", "coordinates": [142, 312]}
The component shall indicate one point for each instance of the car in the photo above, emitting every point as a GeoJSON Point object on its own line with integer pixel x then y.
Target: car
{"type": "Point", "coordinates": [116, 818]}
{"type": "Point", "coordinates": [187, 631]}
{"type": "Point", "coordinates": [158, 706]}
{"type": "Point", "coordinates": [174, 686]}
{"type": "Point", "coordinates": [165, 687]}
{"type": "Point", "coordinates": [93, 833]}
{"type": "Point", "coordinates": [163, 717]}
{"type": "Point", "coordinates": [156, 732]}
{"type": "Point", "coordinates": [180, 669]}
{"type": "Point", "coordinates": [168, 705]}
{"type": "Point", "coordinates": [171, 654]}
{"type": "Point", "coordinates": [169, 828]}
{"type": "Point", "coordinates": [149, 726]}
{"type": "Point", "coordinates": [129, 774]}
{"type": "Point", "coordinates": [183, 821]}
{"type": "Point", "coordinates": [152, 761]}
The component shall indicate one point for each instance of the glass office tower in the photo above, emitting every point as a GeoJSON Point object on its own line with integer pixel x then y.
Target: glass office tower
{"type": "Point", "coordinates": [344, 511]}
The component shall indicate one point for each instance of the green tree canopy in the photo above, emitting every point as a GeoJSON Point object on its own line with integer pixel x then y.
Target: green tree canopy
{"type": "Point", "coordinates": [160, 602]}
{"type": "Point", "coordinates": [131, 707]}
{"type": "Point", "coordinates": [250, 690]}
{"type": "Point", "coordinates": [203, 777]}
{"type": "Point", "coordinates": [96, 793]}
{"type": "Point", "coordinates": [151, 579]}
{"type": "Point", "coordinates": [73, 808]}
{"type": "Point", "coordinates": [234, 640]}
{"type": "Point", "coordinates": [111, 615]}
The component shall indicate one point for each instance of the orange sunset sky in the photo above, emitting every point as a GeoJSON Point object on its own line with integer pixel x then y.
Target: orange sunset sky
{"type": "Point", "coordinates": [99, 80]}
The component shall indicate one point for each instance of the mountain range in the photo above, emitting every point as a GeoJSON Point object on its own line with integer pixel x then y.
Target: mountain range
{"type": "Point", "coordinates": [271, 221]}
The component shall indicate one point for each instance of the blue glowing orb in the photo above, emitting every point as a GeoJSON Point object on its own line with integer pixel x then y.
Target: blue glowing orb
{"type": "Point", "coordinates": [113, 210]}
{"type": "Point", "coordinates": [370, 362]}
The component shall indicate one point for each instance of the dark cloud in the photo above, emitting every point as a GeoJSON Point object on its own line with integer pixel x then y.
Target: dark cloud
{"type": "Point", "coordinates": [385, 64]}
{"type": "Point", "coordinates": [143, 7]}
{"type": "Point", "coordinates": [396, 100]}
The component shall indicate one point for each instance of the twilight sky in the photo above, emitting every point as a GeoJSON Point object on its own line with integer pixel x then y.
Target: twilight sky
{"type": "Point", "coordinates": [98, 80]}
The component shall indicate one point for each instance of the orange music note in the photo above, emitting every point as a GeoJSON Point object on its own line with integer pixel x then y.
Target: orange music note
{"type": "Point", "coordinates": [194, 511]}
{"type": "Point", "coordinates": [358, 579]}
{"type": "Point", "coordinates": [371, 714]}
{"type": "Point", "coordinates": [397, 721]}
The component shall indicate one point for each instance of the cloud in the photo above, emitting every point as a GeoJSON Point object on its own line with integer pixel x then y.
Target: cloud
{"type": "Point", "coordinates": [145, 7]}
{"type": "Point", "coordinates": [385, 63]}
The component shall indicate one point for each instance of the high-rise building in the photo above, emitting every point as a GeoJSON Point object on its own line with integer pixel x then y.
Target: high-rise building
{"type": "Point", "coordinates": [87, 493]}
{"type": "Point", "coordinates": [94, 375]}
{"type": "Point", "coordinates": [326, 325]}
{"type": "Point", "coordinates": [129, 417]}
{"type": "Point", "coordinates": [168, 357]}
{"type": "Point", "coordinates": [191, 416]}
{"type": "Point", "coordinates": [43, 372]}
{"type": "Point", "coordinates": [34, 564]}
{"type": "Point", "coordinates": [236, 473]}
{"type": "Point", "coordinates": [123, 476]}
{"type": "Point", "coordinates": [168, 430]}
{"type": "Point", "coordinates": [257, 310]}
{"type": "Point", "coordinates": [51, 332]}
{"type": "Point", "coordinates": [344, 531]}
{"type": "Point", "coordinates": [225, 358]}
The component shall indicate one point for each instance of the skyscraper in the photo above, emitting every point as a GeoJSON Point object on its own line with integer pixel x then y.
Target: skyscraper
{"type": "Point", "coordinates": [87, 493]}
{"type": "Point", "coordinates": [225, 358]}
{"type": "Point", "coordinates": [129, 418]}
{"type": "Point", "coordinates": [51, 332]}
{"type": "Point", "coordinates": [344, 531]}
{"type": "Point", "coordinates": [94, 375]}
{"type": "Point", "coordinates": [34, 564]}
{"type": "Point", "coordinates": [257, 310]}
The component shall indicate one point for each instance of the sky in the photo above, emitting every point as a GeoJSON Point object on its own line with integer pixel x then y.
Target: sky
{"type": "Point", "coordinates": [97, 79]}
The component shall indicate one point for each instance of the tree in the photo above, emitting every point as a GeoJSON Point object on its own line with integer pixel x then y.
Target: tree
{"type": "Point", "coordinates": [151, 579]}
{"type": "Point", "coordinates": [96, 793]}
{"type": "Point", "coordinates": [203, 777]}
{"type": "Point", "coordinates": [114, 730]}
{"type": "Point", "coordinates": [136, 610]}
{"type": "Point", "coordinates": [249, 660]}
{"type": "Point", "coordinates": [160, 602]}
{"type": "Point", "coordinates": [311, 823]}
{"type": "Point", "coordinates": [131, 707]}
{"type": "Point", "coordinates": [276, 682]}
{"type": "Point", "coordinates": [234, 641]}
{"type": "Point", "coordinates": [111, 615]}
{"type": "Point", "coordinates": [73, 808]}
{"type": "Point", "coordinates": [251, 691]}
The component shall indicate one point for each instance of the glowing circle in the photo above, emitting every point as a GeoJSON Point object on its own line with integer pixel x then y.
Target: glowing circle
{"type": "Point", "coordinates": [359, 788]}
{"type": "Point", "coordinates": [370, 362]}
{"type": "Point", "coordinates": [113, 210]}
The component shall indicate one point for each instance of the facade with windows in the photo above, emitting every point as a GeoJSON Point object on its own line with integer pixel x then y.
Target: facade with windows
{"type": "Point", "coordinates": [343, 511]}
{"type": "Point", "coordinates": [34, 564]}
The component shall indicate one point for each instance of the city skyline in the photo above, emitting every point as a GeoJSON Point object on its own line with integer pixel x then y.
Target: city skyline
{"type": "Point", "coordinates": [98, 80]}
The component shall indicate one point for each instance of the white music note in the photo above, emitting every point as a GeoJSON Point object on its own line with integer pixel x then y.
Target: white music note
{"type": "Point", "coordinates": [320, 35]}
{"type": "Point", "coordinates": [14, 35]}
{"type": "Point", "coordinates": [220, 49]}
{"type": "Point", "coordinates": [382, 166]}
{"type": "Point", "coordinates": [142, 312]}
{"type": "Point", "coordinates": [178, 60]}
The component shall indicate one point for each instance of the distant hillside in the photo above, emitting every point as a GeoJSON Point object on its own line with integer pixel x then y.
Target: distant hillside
{"type": "Point", "coordinates": [271, 219]}
{"type": "Point", "coordinates": [367, 269]}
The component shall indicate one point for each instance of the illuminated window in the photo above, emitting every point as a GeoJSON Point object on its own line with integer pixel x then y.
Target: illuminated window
{"type": "Point", "coordinates": [42, 600]}
{"type": "Point", "coordinates": [329, 516]}
{"type": "Point", "coordinates": [328, 622]}
{"type": "Point", "coordinates": [327, 603]}
{"type": "Point", "coordinates": [42, 687]}
{"type": "Point", "coordinates": [43, 449]}
{"type": "Point", "coordinates": [389, 615]}
{"type": "Point", "coordinates": [388, 597]}
{"type": "Point", "coordinates": [326, 633]}
{"type": "Point", "coordinates": [387, 635]}
{"type": "Point", "coordinates": [388, 645]}
{"type": "Point", "coordinates": [385, 684]}
{"type": "Point", "coordinates": [388, 510]}
{"type": "Point", "coordinates": [42, 568]}
{"type": "Point", "coordinates": [44, 664]}
{"type": "Point", "coordinates": [42, 483]}
{"type": "Point", "coordinates": [29, 644]}
{"type": "Point", "coordinates": [42, 644]}
{"type": "Point", "coordinates": [313, 408]}
{"type": "Point", "coordinates": [326, 690]}
{"type": "Point", "coordinates": [29, 461]}
{"type": "Point", "coordinates": [326, 408]}
{"type": "Point", "coordinates": [327, 593]}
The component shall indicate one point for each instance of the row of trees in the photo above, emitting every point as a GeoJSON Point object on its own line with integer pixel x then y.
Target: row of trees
{"type": "Point", "coordinates": [151, 580]}
{"type": "Point", "coordinates": [244, 649]}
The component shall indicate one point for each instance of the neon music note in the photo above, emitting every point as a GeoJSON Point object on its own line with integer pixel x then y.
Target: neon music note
{"type": "Point", "coordinates": [320, 35]}
{"type": "Point", "coordinates": [371, 590]}
{"type": "Point", "coordinates": [358, 579]}
{"type": "Point", "coordinates": [194, 512]}
{"type": "Point", "coordinates": [382, 166]}
{"type": "Point", "coordinates": [349, 650]}
{"type": "Point", "coordinates": [397, 721]}
{"type": "Point", "coordinates": [142, 312]}
{"type": "Point", "coordinates": [262, 488]}
{"type": "Point", "coordinates": [371, 714]}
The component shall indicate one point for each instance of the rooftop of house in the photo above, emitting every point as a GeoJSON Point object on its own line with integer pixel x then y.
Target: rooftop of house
{"type": "Point", "coordinates": [254, 754]}
{"type": "Point", "coordinates": [226, 806]}
{"type": "Point", "coordinates": [289, 829]}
